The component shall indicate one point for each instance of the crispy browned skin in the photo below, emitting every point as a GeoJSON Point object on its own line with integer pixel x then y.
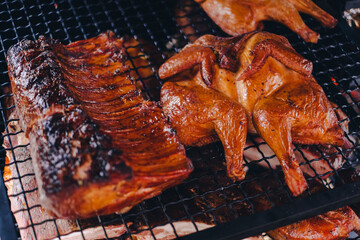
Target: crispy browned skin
{"type": "Point", "coordinates": [97, 146]}
{"type": "Point", "coordinates": [236, 17]}
{"type": "Point", "coordinates": [201, 115]}
{"type": "Point", "coordinates": [332, 225]}
{"type": "Point", "coordinates": [283, 102]}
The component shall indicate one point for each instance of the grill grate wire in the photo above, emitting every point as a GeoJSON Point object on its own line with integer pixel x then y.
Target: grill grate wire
{"type": "Point", "coordinates": [208, 195]}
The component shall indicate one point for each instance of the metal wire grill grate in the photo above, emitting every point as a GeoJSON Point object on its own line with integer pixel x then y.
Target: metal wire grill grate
{"type": "Point", "coordinates": [208, 197]}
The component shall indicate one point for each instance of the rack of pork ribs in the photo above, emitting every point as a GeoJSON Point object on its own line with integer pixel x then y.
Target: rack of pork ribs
{"type": "Point", "coordinates": [97, 146]}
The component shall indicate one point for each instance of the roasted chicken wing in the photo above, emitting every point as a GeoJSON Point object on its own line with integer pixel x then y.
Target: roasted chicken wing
{"type": "Point", "coordinates": [236, 17]}
{"type": "Point", "coordinates": [283, 102]}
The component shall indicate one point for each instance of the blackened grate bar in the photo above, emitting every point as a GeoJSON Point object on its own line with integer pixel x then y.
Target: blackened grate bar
{"type": "Point", "coordinates": [208, 198]}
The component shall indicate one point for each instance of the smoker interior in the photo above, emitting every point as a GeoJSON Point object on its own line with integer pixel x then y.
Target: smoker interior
{"type": "Point", "coordinates": [207, 196]}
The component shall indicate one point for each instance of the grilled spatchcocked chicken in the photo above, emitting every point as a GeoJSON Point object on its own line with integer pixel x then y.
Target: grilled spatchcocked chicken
{"type": "Point", "coordinates": [237, 17]}
{"type": "Point", "coordinates": [97, 146]}
{"type": "Point", "coordinates": [262, 72]}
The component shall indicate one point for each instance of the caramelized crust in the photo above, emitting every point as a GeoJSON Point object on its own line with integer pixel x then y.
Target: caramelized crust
{"type": "Point", "coordinates": [97, 146]}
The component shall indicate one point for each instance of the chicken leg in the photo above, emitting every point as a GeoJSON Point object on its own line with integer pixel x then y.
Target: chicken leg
{"type": "Point", "coordinates": [201, 116]}
{"type": "Point", "coordinates": [294, 124]}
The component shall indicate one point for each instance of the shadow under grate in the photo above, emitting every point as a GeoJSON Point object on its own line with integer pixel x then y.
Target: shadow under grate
{"type": "Point", "coordinates": [208, 197]}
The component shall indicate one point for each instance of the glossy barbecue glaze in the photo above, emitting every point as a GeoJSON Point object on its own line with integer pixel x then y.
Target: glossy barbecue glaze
{"type": "Point", "coordinates": [97, 146]}
{"type": "Point", "coordinates": [238, 17]}
{"type": "Point", "coordinates": [273, 83]}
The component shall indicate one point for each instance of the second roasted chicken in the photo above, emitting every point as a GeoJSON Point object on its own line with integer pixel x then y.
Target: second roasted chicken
{"type": "Point", "coordinates": [262, 72]}
{"type": "Point", "coordinates": [241, 16]}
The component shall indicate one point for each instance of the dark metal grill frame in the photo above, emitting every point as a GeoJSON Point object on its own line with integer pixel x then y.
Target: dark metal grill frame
{"type": "Point", "coordinates": [337, 56]}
